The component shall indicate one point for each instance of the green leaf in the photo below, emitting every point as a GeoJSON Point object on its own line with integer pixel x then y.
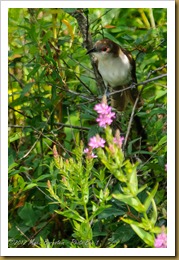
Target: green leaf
{"type": "Point", "coordinates": [10, 161]}
{"type": "Point", "coordinates": [142, 224]}
{"type": "Point", "coordinates": [26, 88]}
{"type": "Point", "coordinates": [93, 131]}
{"type": "Point", "coordinates": [50, 60]}
{"type": "Point", "coordinates": [132, 177]}
{"type": "Point", "coordinates": [150, 197]}
{"type": "Point", "coordinates": [42, 243]}
{"type": "Point", "coordinates": [145, 236]}
{"type": "Point", "coordinates": [71, 214]}
{"type": "Point", "coordinates": [131, 201]}
{"type": "Point", "coordinates": [142, 188]}
{"type": "Point", "coordinates": [32, 73]}
{"type": "Point", "coordinates": [122, 234]}
{"type": "Point", "coordinates": [11, 164]}
{"type": "Point", "coordinates": [29, 215]}
{"type": "Point", "coordinates": [154, 213]}
{"type": "Point", "coordinates": [83, 231]}
{"type": "Point", "coordinates": [160, 94]}
{"type": "Point", "coordinates": [49, 51]}
{"type": "Point", "coordinates": [162, 141]}
{"type": "Point", "coordinates": [43, 176]}
{"type": "Point", "coordinates": [30, 186]}
{"type": "Point", "coordinates": [15, 136]}
{"type": "Point", "coordinates": [103, 212]}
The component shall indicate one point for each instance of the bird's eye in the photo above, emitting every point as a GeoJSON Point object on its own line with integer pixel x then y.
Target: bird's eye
{"type": "Point", "coordinates": [104, 49]}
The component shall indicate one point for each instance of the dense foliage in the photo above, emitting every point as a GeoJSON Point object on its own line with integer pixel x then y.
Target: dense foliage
{"type": "Point", "coordinates": [52, 92]}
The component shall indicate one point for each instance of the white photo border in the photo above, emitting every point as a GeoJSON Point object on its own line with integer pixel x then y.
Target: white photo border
{"type": "Point", "coordinates": [170, 250]}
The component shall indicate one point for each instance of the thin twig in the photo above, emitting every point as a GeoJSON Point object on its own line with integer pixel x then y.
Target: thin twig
{"type": "Point", "coordinates": [70, 125]}
{"type": "Point", "coordinates": [28, 239]}
{"type": "Point", "coordinates": [92, 98]}
{"type": "Point", "coordinates": [48, 221]}
{"type": "Point", "coordinates": [88, 89]}
{"type": "Point", "coordinates": [20, 126]}
{"type": "Point", "coordinates": [76, 93]}
{"type": "Point", "coordinates": [131, 119]}
{"type": "Point", "coordinates": [152, 79]}
{"type": "Point", "coordinates": [79, 63]}
{"type": "Point", "coordinates": [32, 147]}
{"type": "Point", "coordinates": [137, 84]}
{"type": "Point", "coordinates": [152, 156]}
{"type": "Point", "coordinates": [158, 69]}
{"type": "Point", "coordinates": [38, 138]}
{"type": "Point", "coordinates": [111, 93]}
{"type": "Point", "coordinates": [21, 113]}
{"type": "Point", "coordinates": [58, 124]}
{"type": "Point", "coordinates": [16, 79]}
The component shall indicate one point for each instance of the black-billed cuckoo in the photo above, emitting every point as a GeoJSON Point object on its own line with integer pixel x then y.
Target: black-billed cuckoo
{"type": "Point", "coordinates": [117, 68]}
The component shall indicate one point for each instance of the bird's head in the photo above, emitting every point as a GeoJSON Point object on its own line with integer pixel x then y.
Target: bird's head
{"type": "Point", "coordinates": [104, 48]}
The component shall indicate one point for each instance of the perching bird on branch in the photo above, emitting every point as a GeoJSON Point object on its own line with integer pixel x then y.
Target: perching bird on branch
{"type": "Point", "coordinates": [118, 70]}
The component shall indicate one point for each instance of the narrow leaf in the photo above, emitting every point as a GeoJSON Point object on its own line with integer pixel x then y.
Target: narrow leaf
{"type": "Point", "coordinates": [131, 201]}
{"type": "Point", "coordinates": [71, 214]}
{"type": "Point", "coordinates": [145, 236]}
{"type": "Point", "coordinates": [150, 197]}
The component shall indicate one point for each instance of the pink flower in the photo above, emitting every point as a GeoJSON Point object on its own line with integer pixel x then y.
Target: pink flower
{"type": "Point", "coordinates": [102, 108]}
{"type": "Point", "coordinates": [166, 167]}
{"type": "Point", "coordinates": [161, 240]}
{"type": "Point", "coordinates": [89, 153]}
{"type": "Point", "coordinates": [86, 150]}
{"type": "Point", "coordinates": [96, 142]}
{"type": "Point", "coordinates": [118, 140]}
{"type": "Point", "coordinates": [104, 111]}
{"type": "Point", "coordinates": [105, 119]}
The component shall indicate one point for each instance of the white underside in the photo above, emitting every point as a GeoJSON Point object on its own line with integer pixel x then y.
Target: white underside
{"type": "Point", "coordinates": [114, 71]}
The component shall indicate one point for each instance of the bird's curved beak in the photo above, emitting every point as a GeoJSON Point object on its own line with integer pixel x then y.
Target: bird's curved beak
{"type": "Point", "coordinates": [91, 51]}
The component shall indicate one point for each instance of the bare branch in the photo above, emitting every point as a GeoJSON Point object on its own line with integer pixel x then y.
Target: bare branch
{"type": "Point", "coordinates": [131, 120]}
{"type": "Point", "coordinates": [83, 24]}
{"type": "Point", "coordinates": [88, 89]}
{"type": "Point", "coordinates": [137, 84]}
{"type": "Point", "coordinates": [21, 113]}
{"type": "Point", "coordinates": [73, 126]}
{"type": "Point", "coordinates": [158, 69]}
{"type": "Point", "coordinates": [152, 79]}
{"type": "Point", "coordinates": [16, 79]}
{"type": "Point", "coordinates": [137, 99]}
{"type": "Point", "coordinates": [58, 124]}
{"type": "Point", "coordinates": [94, 98]}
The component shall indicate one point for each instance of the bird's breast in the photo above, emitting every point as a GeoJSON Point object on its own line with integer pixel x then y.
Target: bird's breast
{"type": "Point", "coordinates": [115, 71]}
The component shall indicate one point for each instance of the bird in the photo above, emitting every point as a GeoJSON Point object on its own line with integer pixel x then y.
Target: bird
{"type": "Point", "coordinates": [117, 68]}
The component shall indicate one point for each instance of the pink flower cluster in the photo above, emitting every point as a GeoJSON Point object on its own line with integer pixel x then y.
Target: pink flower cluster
{"type": "Point", "coordinates": [118, 141]}
{"type": "Point", "coordinates": [89, 153]}
{"type": "Point", "coordinates": [105, 116]}
{"type": "Point", "coordinates": [161, 241]}
{"type": "Point", "coordinates": [94, 142]}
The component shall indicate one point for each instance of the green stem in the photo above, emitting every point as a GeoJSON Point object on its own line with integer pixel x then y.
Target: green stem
{"type": "Point", "coordinates": [145, 216]}
{"type": "Point", "coordinates": [87, 220]}
{"type": "Point", "coordinates": [86, 212]}
{"type": "Point", "coordinates": [152, 21]}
